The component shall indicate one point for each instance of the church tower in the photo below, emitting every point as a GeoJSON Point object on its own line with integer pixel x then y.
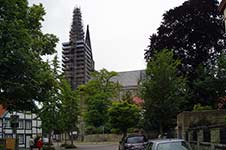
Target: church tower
{"type": "Point", "coordinates": [77, 53]}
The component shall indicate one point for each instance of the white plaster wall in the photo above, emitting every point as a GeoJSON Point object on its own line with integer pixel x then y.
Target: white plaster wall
{"type": "Point", "coordinates": [21, 115]}
{"type": "Point", "coordinates": [28, 116]}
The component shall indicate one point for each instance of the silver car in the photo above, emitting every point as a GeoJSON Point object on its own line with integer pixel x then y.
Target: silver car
{"type": "Point", "coordinates": [168, 144]}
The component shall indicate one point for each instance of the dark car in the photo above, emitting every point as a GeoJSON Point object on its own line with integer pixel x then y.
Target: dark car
{"type": "Point", "coordinates": [133, 142]}
{"type": "Point", "coordinates": [168, 144]}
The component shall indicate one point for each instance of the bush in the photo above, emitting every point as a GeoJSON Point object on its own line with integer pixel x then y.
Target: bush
{"type": "Point", "coordinates": [70, 146]}
{"type": "Point", "coordinates": [98, 130]}
{"type": "Point", "coordinates": [63, 145]}
{"type": "Point", "coordinates": [199, 107]}
{"type": "Point", "coordinates": [90, 130]}
{"type": "Point", "coordinates": [45, 147]}
{"type": "Point", "coordinates": [115, 131]}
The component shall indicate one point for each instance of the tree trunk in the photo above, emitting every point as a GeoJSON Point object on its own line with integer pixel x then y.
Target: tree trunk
{"type": "Point", "coordinates": [124, 134]}
{"type": "Point", "coordinates": [65, 136]}
{"type": "Point", "coordinates": [71, 137]}
{"type": "Point", "coordinates": [161, 129]}
{"type": "Point", "coordinates": [49, 137]}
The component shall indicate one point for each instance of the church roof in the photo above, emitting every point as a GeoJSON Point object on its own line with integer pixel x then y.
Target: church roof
{"type": "Point", "coordinates": [3, 111]}
{"type": "Point", "coordinates": [129, 78]}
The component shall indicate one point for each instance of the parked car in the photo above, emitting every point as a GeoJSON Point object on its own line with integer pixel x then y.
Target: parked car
{"type": "Point", "coordinates": [133, 142]}
{"type": "Point", "coordinates": [168, 144]}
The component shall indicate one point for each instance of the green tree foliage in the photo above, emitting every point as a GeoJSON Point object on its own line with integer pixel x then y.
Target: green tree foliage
{"type": "Point", "coordinates": [56, 67]}
{"type": "Point", "coordinates": [164, 92]}
{"type": "Point", "coordinates": [192, 31]}
{"type": "Point", "coordinates": [127, 96]}
{"type": "Point", "coordinates": [50, 111]}
{"type": "Point", "coordinates": [50, 114]}
{"type": "Point", "coordinates": [199, 107]}
{"type": "Point", "coordinates": [97, 110]}
{"type": "Point", "coordinates": [60, 110]}
{"type": "Point", "coordinates": [211, 83]}
{"type": "Point", "coordinates": [123, 116]}
{"type": "Point", "coordinates": [69, 110]}
{"type": "Point", "coordinates": [98, 94]}
{"type": "Point", "coordinates": [24, 77]}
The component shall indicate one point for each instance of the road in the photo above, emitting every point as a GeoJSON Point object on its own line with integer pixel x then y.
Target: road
{"type": "Point", "coordinates": [90, 146]}
{"type": "Point", "coordinates": [97, 147]}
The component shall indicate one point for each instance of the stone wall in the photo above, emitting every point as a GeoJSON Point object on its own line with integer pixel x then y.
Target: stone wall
{"type": "Point", "coordinates": [102, 138]}
{"type": "Point", "coordinates": [207, 146]}
{"type": "Point", "coordinates": [214, 139]}
{"type": "Point", "coordinates": [92, 138]}
{"type": "Point", "coordinates": [186, 120]}
{"type": "Point", "coordinates": [205, 130]}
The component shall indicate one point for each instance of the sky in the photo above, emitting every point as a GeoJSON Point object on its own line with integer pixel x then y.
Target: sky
{"type": "Point", "coordinates": [119, 29]}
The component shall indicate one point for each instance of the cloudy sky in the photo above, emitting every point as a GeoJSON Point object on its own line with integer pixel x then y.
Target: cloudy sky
{"type": "Point", "coordinates": [119, 29]}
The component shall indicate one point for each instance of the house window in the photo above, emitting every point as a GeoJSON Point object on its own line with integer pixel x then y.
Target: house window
{"type": "Point", "coordinates": [8, 135]}
{"type": "Point", "coordinates": [21, 138]}
{"type": "Point", "coordinates": [28, 124]}
{"type": "Point", "coordinates": [7, 123]}
{"type": "Point", "coordinates": [186, 135]}
{"type": "Point", "coordinates": [223, 135]}
{"type": "Point", "coordinates": [21, 124]}
{"type": "Point", "coordinates": [206, 135]}
{"type": "Point", "coordinates": [194, 136]}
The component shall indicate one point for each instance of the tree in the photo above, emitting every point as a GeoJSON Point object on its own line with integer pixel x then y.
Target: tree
{"type": "Point", "coordinates": [60, 110]}
{"type": "Point", "coordinates": [164, 91]}
{"type": "Point", "coordinates": [123, 116]}
{"type": "Point", "coordinates": [193, 31]}
{"type": "Point", "coordinates": [50, 114]}
{"type": "Point", "coordinates": [24, 77]}
{"type": "Point", "coordinates": [211, 83]}
{"type": "Point", "coordinates": [127, 96]}
{"type": "Point", "coordinates": [97, 115]}
{"type": "Point", "coordinates": [56, 67]}
{"type": "Point", "coordinates": [50, 111]}
{"type": "Point", "coordinates": [69, 109]}
{"type": "Point", "coordinates": [101, 82]}
{"type": "Point", "coordinates": [98, 94]}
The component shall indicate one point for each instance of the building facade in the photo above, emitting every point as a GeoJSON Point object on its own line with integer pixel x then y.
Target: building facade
{"type": "Point", "coordinates": [129, 80]}
{"type": "Point", "coordinates": [29, 126]}
{"type": "Point", "coordinates": [77, 53]}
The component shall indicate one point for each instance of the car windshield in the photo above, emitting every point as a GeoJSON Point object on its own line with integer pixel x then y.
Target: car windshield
{"type": "Point", "coordinates": [135, 139]}
{"type": "Point", "coordinates": [180, 145]}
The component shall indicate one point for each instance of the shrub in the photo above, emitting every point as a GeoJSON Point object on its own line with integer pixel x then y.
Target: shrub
{"type": "Point", "coordinates": [199, 107]}
{"type": "Point", "coordinates": [115, 131]}
{"type": "Point", "coordinates": [63, 145]}
{"type": "Point", "coordinates": [68, 146]}
{"type": "Point", "coordinates": [45, 147]}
